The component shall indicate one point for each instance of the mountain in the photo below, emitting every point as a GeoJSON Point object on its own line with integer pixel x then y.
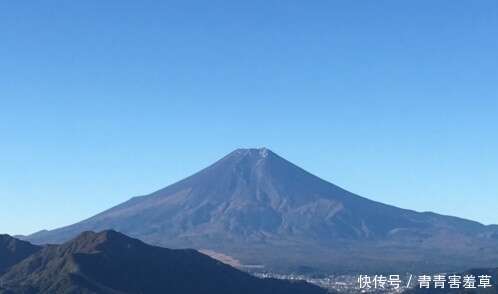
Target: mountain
{"type": "Point", "coordinates": [13, 250]}
{"type": "Point", "coordinates": [112, 263]}
{"type": "Point", "coordinates": [261, 210]}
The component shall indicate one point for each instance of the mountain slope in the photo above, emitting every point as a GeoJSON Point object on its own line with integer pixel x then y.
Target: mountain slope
{"type": "Point", "coordinates": [109, 262]}
{"type": "Point", "coordinates": [13, 250]}
{"type": "Point", "coordinates": [261, 209]}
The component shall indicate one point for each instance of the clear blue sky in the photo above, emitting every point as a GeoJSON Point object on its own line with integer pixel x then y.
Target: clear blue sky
{"type": "Point", "coordinates": [104, 100]}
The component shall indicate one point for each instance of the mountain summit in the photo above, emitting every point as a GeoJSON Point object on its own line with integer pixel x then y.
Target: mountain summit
{"type": "Point", "coordinates": [261, 209]}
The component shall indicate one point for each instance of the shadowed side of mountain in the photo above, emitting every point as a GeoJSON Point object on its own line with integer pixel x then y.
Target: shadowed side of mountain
{"type": "Point", "coordinates": [110, 262]}
{"type": "Point", "coordinates": [13, 250]}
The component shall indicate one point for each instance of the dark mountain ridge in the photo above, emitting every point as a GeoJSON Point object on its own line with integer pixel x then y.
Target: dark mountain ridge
{"type": "Point", "coordinates": [261, 209]}
{"type": "Point", "coordinates": [110, 262]}
{"type": "Point", "coordinates": [13, 250]}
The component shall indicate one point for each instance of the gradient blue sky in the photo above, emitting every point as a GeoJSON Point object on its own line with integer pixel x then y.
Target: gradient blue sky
{"type": "Point", "coordinates": [104, 100]}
